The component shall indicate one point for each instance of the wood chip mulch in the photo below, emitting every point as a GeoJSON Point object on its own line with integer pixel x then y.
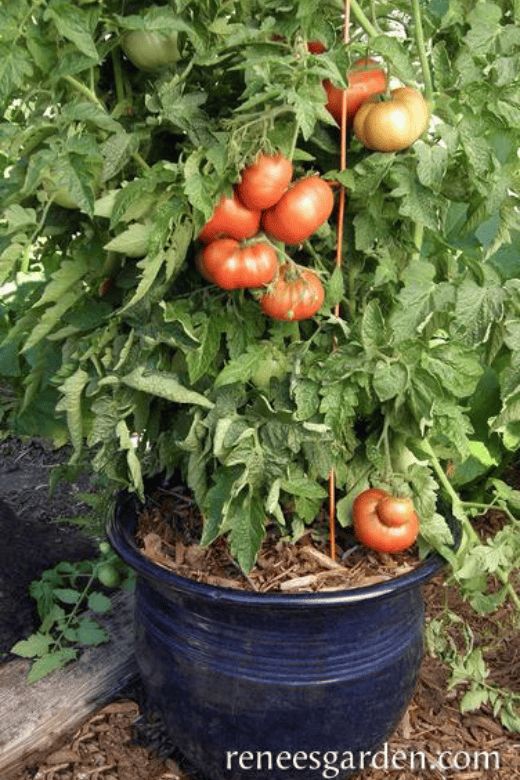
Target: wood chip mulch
{"type": "Point", "coordinates": [169, 530]}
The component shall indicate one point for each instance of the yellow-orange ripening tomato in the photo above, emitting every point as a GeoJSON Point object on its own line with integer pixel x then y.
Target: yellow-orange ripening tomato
{"type": "Point", "coordinates": [392, 125]}
{"type": "Point", "coordinates": [264, 182]}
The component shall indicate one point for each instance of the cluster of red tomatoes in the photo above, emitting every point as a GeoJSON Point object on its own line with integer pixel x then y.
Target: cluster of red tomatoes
{"type": "Point", "coordinates": [384, 522]}
{"type": "Point", "coordinates": [267, 206]}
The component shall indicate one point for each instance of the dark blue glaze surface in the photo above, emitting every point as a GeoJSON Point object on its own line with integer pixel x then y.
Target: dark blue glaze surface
{"type": "Point", "coordinates": [240, 671]}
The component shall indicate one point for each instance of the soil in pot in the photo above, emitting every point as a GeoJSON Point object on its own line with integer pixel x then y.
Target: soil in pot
{"type": "Point", "coordinates": [170, 527]}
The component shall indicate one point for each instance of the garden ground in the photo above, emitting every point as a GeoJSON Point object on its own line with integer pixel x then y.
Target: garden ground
{"type": "Point", "coordinates": [120, 742]}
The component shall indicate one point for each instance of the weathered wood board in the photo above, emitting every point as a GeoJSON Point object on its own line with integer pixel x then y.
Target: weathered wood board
{"type": "Point", "coordinates": [34, 717]}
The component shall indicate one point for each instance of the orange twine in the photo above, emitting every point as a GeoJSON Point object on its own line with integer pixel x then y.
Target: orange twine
{"type": "Point", "coordinates": [339, 261]}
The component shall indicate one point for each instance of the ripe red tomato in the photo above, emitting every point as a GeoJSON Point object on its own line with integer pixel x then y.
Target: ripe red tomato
{"type": "Point", "coordinates": [395, 510]}
{"type": "Point", "coordinates": [306, 205]}
{"type": "Point", "coordinates": [395, 124]}
{"type": "Point", "coordinates": [200, 266]}
{"type": "Point", "coordinates": [316, 47]}
{"type": "Point", "coordinates": [363, 83]}
{"type": "Point", "coordinates": [296, 294]}
{"type": "Point", "coordinates": [383, 522]}
{"type": "Point", "coordinates": [233, 266]}
{"type": "Point", "coordinates": [264, 182]}
{"type": "Point", "coordinates": [230, 219]}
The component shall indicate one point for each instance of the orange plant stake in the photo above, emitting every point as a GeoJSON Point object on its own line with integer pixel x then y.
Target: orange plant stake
{"type": "Point", "coordinates": [339, 261]}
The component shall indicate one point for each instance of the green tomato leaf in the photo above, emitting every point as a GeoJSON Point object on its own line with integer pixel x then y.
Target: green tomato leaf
{"type": "Point", "coordinates": [245, 518]}
{"type": "Point", "coordinates": [303, 487]}
{"type": "Point", "coordinates": [71, 24]}
{"type": "Point", "coordinates": [50, 663]}
{"type": "Point", "coordinates": [67, 595]}
{"type": "Point", "coordinates": [71, 403]}
{"type": "Point", "coordinates": [91, 633]}
{"type": "Point", "coordinates": [395, 51]}
{"type": "Point", "coordinates": [164, 385]}
{"type": "Point", "coordinates": [36, 645]}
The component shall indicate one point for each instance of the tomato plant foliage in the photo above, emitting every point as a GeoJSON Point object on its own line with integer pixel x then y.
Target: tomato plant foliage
{"type": "Point", "coordinates": [406, 378]}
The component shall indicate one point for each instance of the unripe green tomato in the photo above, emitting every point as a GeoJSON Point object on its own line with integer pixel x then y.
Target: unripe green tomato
{"type": "Point", "coordinates": [108, 575]}
{"type": "Point", "coordinates": [104, 547]}
{"type": "Point", "coordinates": [150, 50]}
{"type": "Point", "coordinates": [268, 368]}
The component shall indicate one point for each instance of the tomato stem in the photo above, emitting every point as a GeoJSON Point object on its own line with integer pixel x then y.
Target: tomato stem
{"type": "Point", "coordinates": [373, 12]}
{"type": "Point", "coordinates": [278, 247]}
{"type": "Point", "coordinates": [421, 47]}
{"type": "Point", "coordinates": [294, 140]}
{"type": "Point", "coordinates": [386, 445]}
{"type": "Point", "coordinates": [141, 161]}
{"type": "Point", "coordinates": [85, 91]}
{"type": "Point", "coordinates": [118, 76]}
{"type": "Point", "coordinates": [363, 20]}
{"type": "Point", "coordinates": [458, 510]}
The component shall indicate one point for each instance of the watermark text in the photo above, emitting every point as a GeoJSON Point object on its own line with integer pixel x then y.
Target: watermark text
{"type": "Point", "coordinates": [329, 764]}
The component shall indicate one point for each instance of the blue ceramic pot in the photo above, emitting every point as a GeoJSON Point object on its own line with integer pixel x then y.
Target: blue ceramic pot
{"type": "Point", "coordinates": [271, 686]}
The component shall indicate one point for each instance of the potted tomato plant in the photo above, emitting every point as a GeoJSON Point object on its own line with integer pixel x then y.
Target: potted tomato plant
{"type": "Point", "coordinates": [230, 297]}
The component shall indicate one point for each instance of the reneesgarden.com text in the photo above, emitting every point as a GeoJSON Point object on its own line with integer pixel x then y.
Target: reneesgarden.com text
{"type": "Point", "coordinates": [331, 763]}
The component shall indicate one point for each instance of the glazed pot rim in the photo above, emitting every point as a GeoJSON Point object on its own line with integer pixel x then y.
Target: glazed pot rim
{"type": "Point", "coordinates": [120, 533]}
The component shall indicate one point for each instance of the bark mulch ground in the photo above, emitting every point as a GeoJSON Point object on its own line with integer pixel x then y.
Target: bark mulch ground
{"type": "Point", "coordinates": [121, 741]}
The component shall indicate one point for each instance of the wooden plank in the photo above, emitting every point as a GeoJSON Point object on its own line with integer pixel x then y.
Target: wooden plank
{"type": "Point", "coordinates": [34, 718]}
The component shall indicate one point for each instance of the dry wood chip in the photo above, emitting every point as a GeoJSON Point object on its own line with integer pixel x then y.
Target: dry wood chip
{"type": "Point", "coordinates": [375, 579]}
{"type": "Point", "coordinates": [298, 582]}
{"type": "Point", "coordinates": [406, 726]}
{"type": "Point", "coordinates": [222, 582]}
{"type": "Point", "coordinates": [102, 769]}
{"type": "Point", "coordinates": [64, 756]}
{"type": "Point", "coordinates": [121, 708]}
{"type": "Point", "coordinates": [101, 726]}
{"type": "Point", "coordinates": [173, 772]}
{"type": "Point", "coordinates": [321, 558]}
{"type": "Point", "coordinates": [486, 723]}
{"type": "Point", "coordinates": [194, 555]}
{"type": "Point", "coordinates": [180, 549]}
